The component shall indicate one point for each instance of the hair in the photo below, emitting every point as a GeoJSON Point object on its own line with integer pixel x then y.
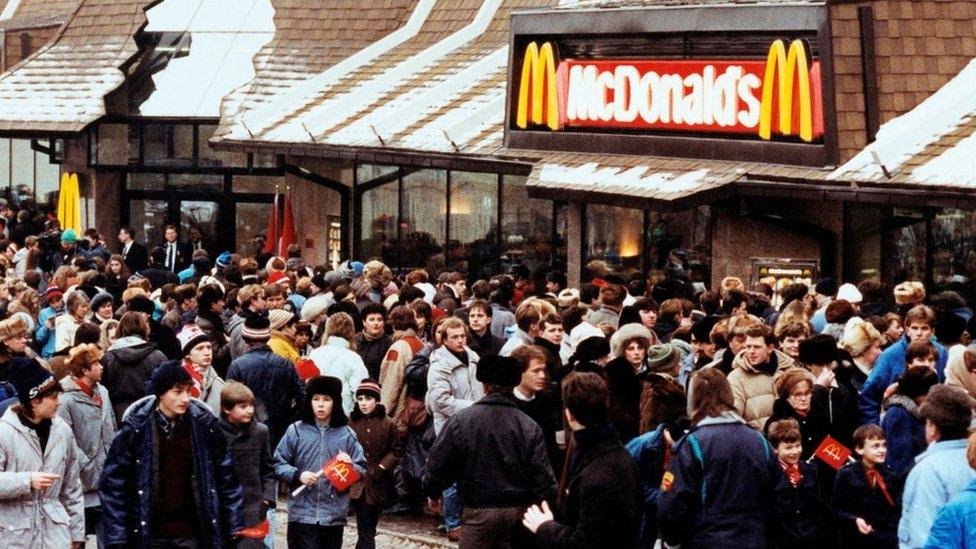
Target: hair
{"type": "Point", "coordinates": [451, 323]}
{"type": "Point", "coordinates": [110, 324]}
{"type": "Point", "coordinates": [82, 357]}
{"type": "Point", "coordinates": [671, 308]}
{"type": "Point", "coordinates": [527, 314]}
{"type": "Point", "coordinates": [785, 383]}
{"type": "Point", "coordinates": [920, 349]}
{"type": "Point", "coordinates": [232, 394]}
{"type": "Point", "coordinates": [793, 329]}
{"type": "Point", "coordinates": [481, 290]}
{"type": "Point", "coordinates": [372, 308]}
{"type": "Point", "coordinates": [613, 295]}
{"type": "Point", "coordinates": [589, 293]}
{"type": "Point", "coordinates": [839, 311]}
{"type": "Point", "coordinates": [341, 325]}
{"type": "Point", "coordinates": [247, 294]}
{"type": "Point", "coordinates": [527, 353]}
{"type": "Point", "coordinates": [75, 300]}
{"type": "Point", "coordinates": [892, 317]}
{"type": "Point", "coordinates": [916, 381]}
{"type": "Point", "coordinates": [793, 292]}
{"type": "Point", "coordinates": [586, 396]}
{"type": "Point", "coordinates": [763, 331]}
{"type": "Point", "coordinates": [401, 318]}
{"type": "Point", "coordinates": [184, 292]}
{"type": "Point", "coordinates": [480, 305]}
{"type": "Point", "coordinates": [783, 431]}
{"type": "Point", "coordinates": [273, 290]}
{"type": "Point", "coordinates": [711, 394]}
{"type": "Point", "coordinates": [732, 300]}
{"type": "Point", "coordinates": [61, 276]}
{"type": "Point", "coordinates": [867, 432]}
{"type": "Point", "coordinates": [921, 314]}
{"type": "Point", "coordinates": [133, 324]}
{"type": "Point", "coordinates": [871, 290]}
{"type": "Point", "coordinates": [551, 319]}
{"type": "Point", "coordinates": [128, 229]}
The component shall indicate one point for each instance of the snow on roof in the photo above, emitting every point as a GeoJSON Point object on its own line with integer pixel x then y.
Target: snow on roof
{"type": "Point", "coordinates": [9, 9]}
{"type": "Point", "coordinates": [933, 143]}
{"type": "Point", "coordinates": [225, 35]}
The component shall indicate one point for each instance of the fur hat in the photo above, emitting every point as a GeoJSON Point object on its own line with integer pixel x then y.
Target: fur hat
{"type": "Point", "coordinates": [314, 306]}
{"type": "Point", "coordinates": [190, 336]}
{"type": "Point", "coordinates": [567, 297]}
{"type": "Point", "coordinates": [950, 408]}
{"type": "Point", "coordinates": [12, 327]}
{"type": "Point", "coordinates": [257, 327]}
{"type": "Point", "coordinates": [331, 387]}
{"type": "Point", "coordinates": [818, 349]}
{"type": "Point", "coordinates": [165, 376]}
{"type": "Point", "coordinates": [702, 330]}
{"type": "Point", "coordinates": [849, 292]}
{"type": "Point", "coordinates": [30, 379]}
{"type": "Point", "coordinates": [504, 371]}
{"type": "Point", "coordinates": [859, 335]}
{"type": "Point", "coordinates": [369, 387]}
{"type": "Point", "coordinates": [141, 304]}
{"type": "Point", "coordinates": [279, 318]}
{"type": "Point", "coordinates": [909, 292]}
{"type": "Point", "coordinates": [591, 349]}
{"type": "Point", "coordinates": [626, 333]}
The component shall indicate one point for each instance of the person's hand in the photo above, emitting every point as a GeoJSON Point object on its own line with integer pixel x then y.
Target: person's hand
{"type": "Point", "coordinates": [892, 389]}
{"type": "Point", "coordinates": [49, 322]}
{"type": "Point", "coordinates": [826, 378]}
{"type": "Point", "coordinates": [536, 517]}
{"type": "Point", "coordinates": [42, 481]}
{"type": "Point", "coordinates": [342, 456]}
{"type": "Point", "coordinates": [435, 506]}
{"type": "Point", "coordinates": [863, 526]}
{"type": "Point", "coordinates": [308, 478]}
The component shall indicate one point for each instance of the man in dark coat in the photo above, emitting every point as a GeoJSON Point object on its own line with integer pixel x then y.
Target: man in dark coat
{"type": "Point", "coordinates": [373, 343]}
{"type": "Point", "coordinates": [168, 480]}
{"type": "Point", "coordinates": [482, 341]}
{"type": "Point", "coordinates": [601, 505]}
{"type": "Point", "coordinates": [134, 255]}
{"type": "Point", "coordinates": [497, 456]}
{"type": "Point", "coordinates": [156, 272]}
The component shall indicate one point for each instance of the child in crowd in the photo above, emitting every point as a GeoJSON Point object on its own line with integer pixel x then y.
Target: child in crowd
{"type": "Point", "coordinates": [904, 427]}
{"type": "Point", "coordinates": [921, 353]}
{"type": "Point", "coordinates": [249, 446]}
{"type": "Point", "coordinates": [317, 515]}
{"type": "Point", "coordinates": [801, 519]}
{"type": "Point", "coordinates": [867, 496]}
{"type": "Point", "coordinates": [378, 436]}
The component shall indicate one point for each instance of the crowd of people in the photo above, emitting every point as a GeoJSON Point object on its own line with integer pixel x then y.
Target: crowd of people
{"type": "Point", "coordinates": [165, 398]}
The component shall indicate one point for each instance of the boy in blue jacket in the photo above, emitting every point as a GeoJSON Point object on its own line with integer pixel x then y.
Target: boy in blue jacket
{"type": "Point", "coordinates": [317, 515]}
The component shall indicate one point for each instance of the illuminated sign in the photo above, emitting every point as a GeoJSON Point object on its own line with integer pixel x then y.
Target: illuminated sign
{"type": "Point", "coordinates": [778, 96]}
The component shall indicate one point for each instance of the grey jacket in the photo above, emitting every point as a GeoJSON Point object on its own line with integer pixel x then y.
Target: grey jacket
{"type": "Point", "coordinates": [30, 519]}
{"type": "Point", "coordinates": [236, 328]}
{"type": "Point", "coordinates": [451, 386]}
{"type": "Point", "coordinates": [94, 429]}
{"type": "Point", "coordinates": [518, 339]}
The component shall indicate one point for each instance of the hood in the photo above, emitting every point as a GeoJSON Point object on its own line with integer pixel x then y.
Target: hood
{"type": "Point", "coordinates": [725, 418]}
{"type": "Point", "coordinates": [903, 401]}
{"type": "Point", "coordinates": [784, 361]}
{"type": "Point", "coordinates": [131, 353]}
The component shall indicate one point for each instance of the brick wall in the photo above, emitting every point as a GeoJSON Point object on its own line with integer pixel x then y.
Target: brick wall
{"type": "Point", "coordinates": [920, 45]}
{"type": "Point", "coordinates": [17, 43]}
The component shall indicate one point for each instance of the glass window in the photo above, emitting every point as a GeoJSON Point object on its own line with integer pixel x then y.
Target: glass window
{"type": "Point", "coordinates": [368, 172]}
{"type": "Point", "coordinates": [954, 253]}
{"type": "Point", "coordinates": [148, 217]}
{"type": "Point", "coordinates": [257, 183]}
{"type": "Point", "coordinates": [680, 241]}
{"type": "Point", "coordinates": [864, 230]}
{"type": "Point", "coordinates": [614, 241]}
{"type": "Point", "coordinates": [526, 226]}
{"type": "Point", "coordinates": [201, 215]}
{"type": "Point", "coordinates": [474, 223]}
{"type": "Point", "coordinates": [379, 223]}
{"type": "Point", "coordinates": [5, 163]}
{"type": "Point", "coordinates": [196, 182]}
{"type": "Point", "coordinates": [47, 179]}
{"type": "Point", "coordinates": [423, 222]}
{"type": "Point", "coordinates": [906, 242]}
{"type": "Point", "coordinates": [211, 157]}
{"type": "Point", "coordinates": [250, 221]}
{"type": "Point", "coordinates": [145, 182]}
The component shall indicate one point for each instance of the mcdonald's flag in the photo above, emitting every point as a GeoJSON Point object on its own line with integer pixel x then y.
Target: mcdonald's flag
{"type": "Point", "coordinates": [341, 474]}
{"type": "Point", "coordinates": [258, 531]}
{"type": "Point", "coordinates": [832, 452]}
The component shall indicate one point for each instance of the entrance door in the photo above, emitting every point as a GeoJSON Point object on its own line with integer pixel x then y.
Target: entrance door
{"type": "Point", "coordinates": [203, 217]}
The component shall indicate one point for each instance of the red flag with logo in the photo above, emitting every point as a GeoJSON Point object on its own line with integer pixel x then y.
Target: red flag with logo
{"type": "Point", "coordinates": [832, 452]}
{"type": "Point", "coordinates": [258, 531]}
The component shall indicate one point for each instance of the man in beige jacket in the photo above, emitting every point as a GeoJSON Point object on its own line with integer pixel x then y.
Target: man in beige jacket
{"type": "Point", "coordinates": [753, 372]}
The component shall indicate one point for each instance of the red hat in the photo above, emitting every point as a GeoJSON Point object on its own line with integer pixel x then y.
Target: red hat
{"type": "Point", "coordinates": [53, 292]}
{"type": "Point", "coordinates": [278, 276]}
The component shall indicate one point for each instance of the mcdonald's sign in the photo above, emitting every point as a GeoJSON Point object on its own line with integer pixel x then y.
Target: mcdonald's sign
{"type": "Point", "coordinates": [772, 99]}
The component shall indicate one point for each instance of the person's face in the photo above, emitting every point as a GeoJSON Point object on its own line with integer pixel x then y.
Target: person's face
{"type": "Point", "coordinates": [553, 287]}
{"type": "Point", "coordinates": [115, 267]}
{"type": "Point", "coordinates": [105, 310]}
{"type": "Point", "coordinates": [461, 286]}
{"type": "Point", "coordinates": [201, 355]}
{"type": "Point", "coordinates": [194, 235]}
{"type": "Point", "coordinates": [634, 353]}
{"type": "Point", "coordinates": [366, 404]}
{"type": "Point", "coordinates": [421, 321]}
{"type": "Point", "coordinates": [95, 372]}
{"type": "Point", "coordinates": [789, 452]}
{"type": "Point", "coordinates": [16, 344]}
{"type": "Point", "coordinates": [553, 333]}
{"type": "Point", "coordinates": [301, 339]}
{"type": "Point", "coordinates": [757, 352]}
{"type": "Point", "coordinates": [322, 407]}
{"type": "Point", "coordinates": [218, 306]}
{"type": "Point", "coordinates": [702, 348]}
{"type": "Point", "coordinates": [46, 407]}
{"type": "Point", "coordinates": [124, 237]}
{"type": "Point", "coordinates": [800, 397]}
{"type": "Point", "coordinates": [927, 361]}
{"type": "Point", "coordinates": [534, 377]}
{"type": "Point", "coordinates": [112, 335]}
{"type": "Point", "coordinates": [478, 320]}
{"type": "Point", "coordinates": [871, 354]}
{"type": "Point", "coordinates": [895, 331]}
{"type": "Point", "coordinates": [83, 309]}
{"type": "Point", "coordinates": [648, 318]}
{"type": "Point", "coordinates": [170, 235]}
{"type": "Point", "coordinates": [791, 345]}
{"type": "Point", "coordinates": [275, 302]}
{"type": "Point", "coordinates": [737, 343]}
{"type": "Point", "coordinates": [174, 402]}
{"type": "Point", "coordinates": [57, 302]}
{"type": "Point", "coordinates": [373, 325]}
{"type": "Point", "coordinates": [919, 331]}
{"type": "Point", "coordinates": [454, 339]}
{"type": "Point", "coordinates": [874, 452]}
{"type": "Point", "coordinates": [259, 303]}
{"type": "Point", "coordinates": [242, 412]}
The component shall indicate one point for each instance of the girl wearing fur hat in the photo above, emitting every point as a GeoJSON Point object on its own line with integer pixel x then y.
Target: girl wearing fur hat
{"type": "Point", "coordinates": [317, 515]}
{"type": "Point", "coordinates": [629, 345]}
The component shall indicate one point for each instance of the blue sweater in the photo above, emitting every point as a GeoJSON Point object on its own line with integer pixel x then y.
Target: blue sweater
{"type": "Point", "coordinates": [886, 371]}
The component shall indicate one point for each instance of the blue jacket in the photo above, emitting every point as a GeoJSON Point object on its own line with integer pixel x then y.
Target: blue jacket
{"type": "Point", "coordinates": [129, 474]}
{"type": "Point", "coordinates": [939, 474]}
{"type": "Point", "coordinates": [904, 432]}
{"type": "Point", "coordinates": [277, 388]}
{"type": "Point", "coordinates": [718, 490]}
{"type": "Point", "coordinates": [955, 526]}
{"type": "Point", "coordinates": [308, 447]}
{"type": "Point", "coordinates": [886, 371]}
{"type": "Point", "coordinates": [44, 337]}
{"type": "Point", "coordinates": [648, 451]}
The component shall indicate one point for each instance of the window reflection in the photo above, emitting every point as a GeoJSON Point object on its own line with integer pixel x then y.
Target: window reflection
{"type": "Point", "coordinates": [474, 223]}
{"type": "Point", "coordinates": [422, 225]}
{"type": "Point", "coordinates": [526, 226]}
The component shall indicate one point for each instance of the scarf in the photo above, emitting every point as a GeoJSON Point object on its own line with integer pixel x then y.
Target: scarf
{"type": "Point", "coordinates": [876, 480]}
{"type": "Point", "coordinates": [792, 472]}
{"type": "Point", "coordinates": [90, 391]}
{"type": "Point", "coordinates": [197, 377]}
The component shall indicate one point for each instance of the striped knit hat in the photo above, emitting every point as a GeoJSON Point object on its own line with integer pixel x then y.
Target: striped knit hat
{"type": "Point", "coordinates": [370, 388]}
{"type": "Point", "coordinates": [257, 327]}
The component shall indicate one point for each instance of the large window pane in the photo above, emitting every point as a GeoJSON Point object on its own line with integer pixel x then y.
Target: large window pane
{"type": "Point", "coordinates": [47, 179]}
{"type": "Point", "coordinates": [379, 224]}
{"type": "Point", "coordinates": [251, 220]}
{"type": "Point", "coordinates": [422, 225]}
{"type": "Point", "coordinates": [864, 230]}
{"type": "Point", "coordinates": [474, 216]}
{"type": "Point", "coordinates": [5, 163]}
{"type": "Point", "coordinates": [196, 182]}
{"type": "Point", "coordinates": [202, 215]}
{"type": "Point", "coordinates": [366, 173]}
{"type": "Point", "coordinates": [526, 226]}
{"type": "Point", "coordinates": [614, 241]}
{"type": "Point", "coordinates": [954, 253]}
{"type": "Point", "coordinates": [906, 242]}
{"type": "Point", "coordinates": [680, 241]}
{"type": "Point", "coordinates": [148, 217]}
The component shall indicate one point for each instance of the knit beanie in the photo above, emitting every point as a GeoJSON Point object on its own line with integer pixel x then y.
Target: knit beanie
{"type": "Point", "coordinates": [661, 357]}
{"type": "Point", "coordinates": [257, 327]}
{"type": "Point", "coordinates": [278, 277]}
{"type": "Point", "coordinates": [69, 236]}
{"type": "Point", "coordinates": [369, 387]}
{"type": "Point", "coordinates": [30, 379]}
{"type": "Point", "coordinates": [190, 336]}
{"type": "Point", "coordinates": [100, 299]}
{"type": "Point", "coordinates": [223, 259]}
{"type": "Point", "coordinates": [141, 304]}
{"type": "Point", "coordinates": [165, 376]}
{"type": "Point", "coordinates": [279, 318]}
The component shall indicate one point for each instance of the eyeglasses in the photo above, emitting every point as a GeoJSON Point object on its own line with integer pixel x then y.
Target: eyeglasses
{"type": "Point", "coordinates": [807, 394]}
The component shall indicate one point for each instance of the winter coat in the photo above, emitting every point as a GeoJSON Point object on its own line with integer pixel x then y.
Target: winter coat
{"type": "Point", "coordinates": [625, 397]}
{"type": "Point", "coordinates": [29, 519]}
{"type": "Point", "coordinates": [308, 447]}
{"type": "Point", "coordinates": [235, 327]}
{"type": "Point", "coordinates": [518, 339]}
{"type": "Point", "coordinates": [753, 389]}
{"type": "Point", "coordinates": [284, 346]}
{"type": "Point", "coordinates": [382, 447]}
{"type": "Point", "coordinates": [840, 403]}
{"type": "Point", "coordinates": [93, 426]}
{"type": "Point", "coordinates": [501, 319]}
{"type": "Point", "coordinates": [904, 433]}
{"type": "Point", "coordinates": [661, 397]}
{"type": "Point", "coordinates": [545, 411]}
{"type": "Point", "coordinates": [854, 497]}
{"type": "Point", "coordinates": [649, 452]}
{"type": "Point", "coordinates": [44, 337]}
{"type": "Point", "coordinates": [130, 478]}
{"type": "Point", "coordinates": [128, 364]}
{"type": "Point", "coordinates": [495, 453]}
{"type": "Point", "coordinates": [372, 352]}
{"type": "Point", "coordinates": [65, 326]}
{"type": "Point", "coordinates": [719, 490]}
{"type": "Point", "coordinates": [249, 447]}
{"type": "Point", "coordinates": [278, 391]}
{"type": "Point", "coordinates": [801, 517]}
{"type": "Point", "coordinates": [955, 525]}
{"type": "Point", "coordinates": [602, 507]}
{"type": "Point", "coordinates": [393, 393]}
{"type": "Point", "coordinates": [336, 359]}
{"type": "Point", "coordinates": [604, 315]}
{"type": "Point", "coordinates": [939, 473]}
{"type": "Point", "coordinates": [486, 344]}
{"type": "Point", "coordinates": [888, 368]}
{"type": "Point", "coordinates": [451, 386]}
{"type": "Point", "coordinates": [214, 328]}
{"type": "Point", "coordinates": [813, 426]}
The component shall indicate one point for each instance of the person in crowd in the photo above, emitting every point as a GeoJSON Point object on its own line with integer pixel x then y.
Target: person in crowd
{"type": "Point", "coordinates": [210, 306]}
{"type": "Point", "coordinates": [903, 425]}
{"type": "Point", "coordinates": [272, 379]}
{"type": "Point", "coordinates": [41, 495]}
{"type": "Point", "coordinates": [794, 401]}
{"type": "Point", "coordinates": [527, 318]}
{"type": "Point", "coordinates": [184, 301]}
{"type": "Point", "coordinates": [156, 272]}
{"type": "Point", "coordinates": [169, 435]}
{"type": "Point", "coordinates": [249, 446]}
{"type": "Point", "coordinates": [102, 308]}
{"type": "Point", "coordinates": [729, 337]}
{"type": "Point", "coordinates": [894, 329]}
{"type": "Point", "coordinates": [282, 340]}
{"type": "Point", "coordinates": [482, 341]}
{"type": "Point", "coordinates": [611, 303]}
{"type": "Point", "coordinates": [496, 457]}
{"type": "Point", "coordinates": [867, 494]}
{"type": "Point", "coordinates": [87, 409]}
{"type": "Point", "coordinates": [160, 336]}
{"type": "Point", "coordinates": [955, 525]}
{"type": "Point", "coordinates": [134, 255]}
{"type": "Point", "coordinates": [789, 337]}
{"type": "Point", "coordinates": [891, 363]}
{"type": "Point", "coordinates": [406, 344]}
{"type": "Point", "coordinates": [552, 339]}
{"type": "Point", "coordinates": [65, 325]}
{"type": "Point", "coordinates": [45, 335]}
{"type": "Point", "coordinates": [317, 514]}
{"type": "Point", "coordinates": [250, 299]}
{"type": "Point", "coordinates": [833, 392]}
{"type": "Point", "coordinates": [629, 345]}
{"type": "Point", "coordinates": [863, 342]}
{"type": "Point", "coordinates": [116, 277]}
{"type": "Point", "coordinates": [942, 470]}
{"type": "Point", "coordinates": [801, 516]}
{"type": "Point", "coordinates": [373, 343]}
{"type": "Point", "coordinates": [450, 295]}
{"type": "Point", "coordinates": [754, 371]}
{"type": "Point", "coordinates": [198, 362]}
{"type": "Point", "coordinates": [661, 394]}
{"type": "Point", "coordinates": [961, 369]}
{"type": "Point", "coordinates": [382, 446]}
{"type": "Point", "coordinates": [337, 357]}
{"type": "Point", "coordinates": [533, 397]}
{"type": "Point", "coordinates": [129, 363]}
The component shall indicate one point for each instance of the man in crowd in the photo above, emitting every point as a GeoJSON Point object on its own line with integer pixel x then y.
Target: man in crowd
{"type": "Point", "coordinates": [134, 255]}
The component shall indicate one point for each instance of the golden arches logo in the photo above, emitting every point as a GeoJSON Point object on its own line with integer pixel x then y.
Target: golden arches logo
{"type": "Point", "coordinates": [783, 69]}
{"type": "Point", "coordinates": [537, 87]}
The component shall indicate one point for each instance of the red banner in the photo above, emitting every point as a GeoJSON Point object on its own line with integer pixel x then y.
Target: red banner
{"type": "Point", "coordinates": [832, 452]}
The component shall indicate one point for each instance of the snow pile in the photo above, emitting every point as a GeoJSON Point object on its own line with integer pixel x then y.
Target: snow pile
{"type": "Point", "coordinates": [635, 180]}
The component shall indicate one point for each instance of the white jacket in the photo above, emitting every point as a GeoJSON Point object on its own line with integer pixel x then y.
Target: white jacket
{"type": "Point", "coordinates": [336, 359]}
